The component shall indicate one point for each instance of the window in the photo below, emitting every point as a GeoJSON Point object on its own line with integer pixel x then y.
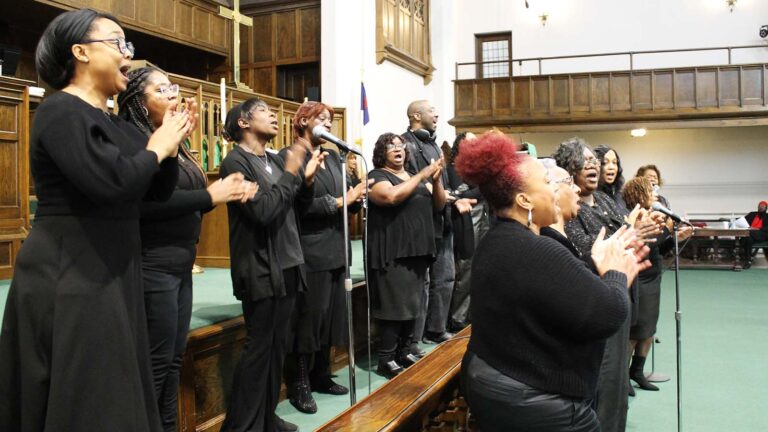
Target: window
{"type": "Point", "coordinates": [402, 35]}
{"type": "Point", "coordinates": [491, 51]}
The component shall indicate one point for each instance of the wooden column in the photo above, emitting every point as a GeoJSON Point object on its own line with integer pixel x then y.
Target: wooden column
{"type": "Point", "coordinates": [14, 169]}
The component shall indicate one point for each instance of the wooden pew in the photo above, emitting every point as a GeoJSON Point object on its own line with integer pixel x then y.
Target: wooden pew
{"type": "Point", "coordinates": [424, 397]}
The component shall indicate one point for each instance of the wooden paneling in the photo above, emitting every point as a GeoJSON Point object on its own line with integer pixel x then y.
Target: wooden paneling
{"type": "Point", "coordinates": [717, 92]}
{"type": "Point", "coordinates": [14, 169]}
{"type": "Point", "coordinates": [402, 35]}
{"type": "Point", "coordinates": [309, 42]}
{"type": "Point", "coordinates": [287, 36]}
{"type": "Point", "coordinates": [191, 22]}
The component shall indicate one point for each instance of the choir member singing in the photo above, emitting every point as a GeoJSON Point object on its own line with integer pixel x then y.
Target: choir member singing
{"type": "Point", "coordinates": [169, 235]}
{"type": "Point", "coordinates": [320, 310]}
{"type": "Point", "coordinates": [74, 349]}
{"type": "Point", "coordinates": [401, 246]}
{"type": "Point", "coordinates": [266, 260]}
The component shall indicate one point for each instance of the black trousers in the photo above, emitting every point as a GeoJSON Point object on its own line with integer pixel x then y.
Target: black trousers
{"type": "Point", "coordinates": [257, 378]}
{"type": "Point", "coordinates": [613, 383]}
{"type": "Point", "coordinates": [394, 335]}
{"type": "Point", "coordinates": [501, 403]}
{"type": "Point", "coordinates": [168, 302]}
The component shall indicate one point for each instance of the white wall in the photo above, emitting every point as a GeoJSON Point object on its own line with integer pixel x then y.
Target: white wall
{"type": "Point", "coordinates": [349, 52]}
{"type": "Point", "coordinates": [704, 170]}
{"type": "Point", "coordinates": [605, 26]}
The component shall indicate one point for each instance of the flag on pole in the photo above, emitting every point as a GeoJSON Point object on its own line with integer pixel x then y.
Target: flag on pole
{"type": "Point", "coordinates": [364, 104]}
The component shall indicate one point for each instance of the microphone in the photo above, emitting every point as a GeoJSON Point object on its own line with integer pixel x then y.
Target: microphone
{"type": "Point", "coordinates": [320, 132]}
{"type": "Point", "coordinates": [658, 207]}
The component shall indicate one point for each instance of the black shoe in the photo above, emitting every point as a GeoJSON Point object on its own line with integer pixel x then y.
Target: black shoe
{"type": "Point", "coordinates": [636, 374]}
{"type": "Point", "coordinates": [407, 360]}
{"type": "Point", "coordinates": [436, 338]}
{"type": "Point", "coordinates": [301, 399]}
{"type": "Point", "coordinates": [327, 386]}
{"type": "Point", "coordinates": [457, 326]}
{"type": "Point", "coordinates": [285, 426]}
{"type": "Point", "coordinates": [389, 369]}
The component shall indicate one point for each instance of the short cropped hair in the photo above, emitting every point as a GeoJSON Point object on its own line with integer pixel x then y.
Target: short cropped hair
{"type": "Point", "coordinates": [243, 110]}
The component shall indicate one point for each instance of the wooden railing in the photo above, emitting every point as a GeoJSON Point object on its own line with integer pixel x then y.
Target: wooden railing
{"type": "Point", "coordinates": [718, 92]}
{"type": "Point", "coordinates": [423, 398]}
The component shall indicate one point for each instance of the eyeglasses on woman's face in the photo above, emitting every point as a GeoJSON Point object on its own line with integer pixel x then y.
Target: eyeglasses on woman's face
{"type": "Point", "coordinates": [591, 162]}
{"type": "Point", "coordinates": [395, 146]}
{"type": "Point", "coordinates": [167, 90]}
{"type": "Point", "coordinates": [119, 43]}
{"type": "Point", "coordinates": [566, 181]}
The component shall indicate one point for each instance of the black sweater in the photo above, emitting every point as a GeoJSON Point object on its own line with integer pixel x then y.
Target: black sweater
{"type": "Point", "coordinates": [539, 315]}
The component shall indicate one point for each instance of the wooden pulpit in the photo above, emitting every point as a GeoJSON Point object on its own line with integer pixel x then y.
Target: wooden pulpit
{"type": "Point", "coordinates": [14, 169]}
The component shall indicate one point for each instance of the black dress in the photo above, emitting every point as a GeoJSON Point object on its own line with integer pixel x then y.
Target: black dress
{"type": "Point", "coordinates": [73, 349]}
{"type": "Point", "coordinates": [400, 247]}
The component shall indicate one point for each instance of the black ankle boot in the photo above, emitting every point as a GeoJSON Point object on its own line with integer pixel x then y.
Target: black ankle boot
{"type": "Point", "coordinates": [636, 374]}
{"type": "Point", "coordinates": [301, 394]}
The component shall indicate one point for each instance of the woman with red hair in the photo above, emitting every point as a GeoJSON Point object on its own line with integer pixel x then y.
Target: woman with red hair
{"type": "Point", "coordinates": [320, 315]}
{"type": "Point", "coordinates": [540, 317]}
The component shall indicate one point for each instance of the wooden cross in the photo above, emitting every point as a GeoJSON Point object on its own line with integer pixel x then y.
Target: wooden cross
{"type": "Point", "coordinates": [237, 19]}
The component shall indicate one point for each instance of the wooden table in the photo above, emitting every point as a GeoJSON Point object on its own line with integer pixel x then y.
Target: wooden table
{"type": "Point", "coordinates": [715, 235]}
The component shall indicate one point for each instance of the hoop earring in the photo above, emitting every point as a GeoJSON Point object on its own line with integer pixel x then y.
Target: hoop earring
{"type": "Point", "coordinates": [530, 217]}
{"type": "Point", "coordinates": [145, 111]}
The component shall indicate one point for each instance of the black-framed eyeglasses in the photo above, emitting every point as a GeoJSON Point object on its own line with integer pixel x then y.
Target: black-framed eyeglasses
{"type": "Point", "coordinates": [595, 162]}
{"type": "Point", "coordinates": [567, 180]}
{"type": "Point", "coordinates": [395, 146]}
{"type": "Point", "coordinates": [123, 46]}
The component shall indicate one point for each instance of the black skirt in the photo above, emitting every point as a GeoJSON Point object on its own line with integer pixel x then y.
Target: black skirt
{"type": "Point", "coordinates": [648, 311]}
{"type": "Point", "coordinates": [396, 289]}
{"type": "Point", "coordinates": [74, 346]}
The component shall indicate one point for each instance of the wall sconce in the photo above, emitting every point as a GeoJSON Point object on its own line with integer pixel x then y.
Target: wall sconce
{"type": "Point", "coordinates": [638, 133]}
{"type": "Point", "coordinates": [543, 17]}
{"type": "Point", "coordinates": [731, 4]}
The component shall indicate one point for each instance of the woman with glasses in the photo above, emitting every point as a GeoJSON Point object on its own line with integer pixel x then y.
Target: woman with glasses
{"type": "Point", "coordinates": [267, 262]}
{"type": "Point", "coordinates": [169, 235]}
{"type": "Point", "coordinates": [401, 246]}
{"type": "Point", "coordinates": [73, 348]}
{"type": "Point", "coordinates": [540, 317]}
{"type": "Point", "coordinates": [597, 211]}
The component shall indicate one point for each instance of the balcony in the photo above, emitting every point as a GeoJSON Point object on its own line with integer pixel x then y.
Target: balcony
{"type": "Point", "coordinates": [689, 96]}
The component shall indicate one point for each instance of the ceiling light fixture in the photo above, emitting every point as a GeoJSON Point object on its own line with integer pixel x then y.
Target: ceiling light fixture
{"type": "Point", "coordinates": [638, 133]}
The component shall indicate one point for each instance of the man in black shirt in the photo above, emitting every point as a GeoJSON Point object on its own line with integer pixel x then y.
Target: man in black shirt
{"type": "Point", "coordinates": [420, 139]}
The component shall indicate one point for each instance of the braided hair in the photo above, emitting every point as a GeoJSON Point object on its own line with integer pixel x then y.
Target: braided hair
{"type": "Point", "coordinates": [131, 100]}
{"type": "Point", "coordinates": [131, 108]}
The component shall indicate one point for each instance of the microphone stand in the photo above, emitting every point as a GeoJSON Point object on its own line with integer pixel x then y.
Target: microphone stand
{"type": "Point", "coordinates": [678, 319]}
{"type": "Point", "coordinates": [348, 279]}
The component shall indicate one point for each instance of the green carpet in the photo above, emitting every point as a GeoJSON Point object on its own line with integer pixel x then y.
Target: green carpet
{"type": "Point", "coordinates": [725, 359]}
{"type": "Point", "coordinates": [724, 355]}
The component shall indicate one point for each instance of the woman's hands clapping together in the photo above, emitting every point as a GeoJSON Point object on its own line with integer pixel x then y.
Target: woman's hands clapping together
{"type": "Point", "coordinates": [232, 188]}
{"type": "Point", "coordinates": [618, 252]}
{"type": "Point", "coordinates": [176, 127]}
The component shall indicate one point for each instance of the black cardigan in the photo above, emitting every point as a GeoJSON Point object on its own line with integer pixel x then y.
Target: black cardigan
{"type": "Point", "coordinates": [255, 266]}
{"type": "Point", "coordinates": [539, 315]}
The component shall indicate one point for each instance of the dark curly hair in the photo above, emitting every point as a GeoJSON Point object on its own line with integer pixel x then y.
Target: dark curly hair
{"type": "Point", "coordinates": [455, 149]}
{"type": "Point", "coordinates": [54, 60]}
{"type": "Point", "coordinates": [569, 155]}
{"type": "Point", "coordinates": [493, 164]}
{"type": "Point", "coordinates": [638, 190]}
{"type": "Point", "coordinates": [130, 101]}
{"type": "Point", "coordinates": [615, 188]}
{"type": "Point", "coordinates": [232, 128]}
{"type": "Point", "coordinates": [379, 158]}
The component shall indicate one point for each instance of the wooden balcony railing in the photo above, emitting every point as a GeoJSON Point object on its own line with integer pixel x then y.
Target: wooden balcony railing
{"type": "Point", "coordinates": [719, 92]}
